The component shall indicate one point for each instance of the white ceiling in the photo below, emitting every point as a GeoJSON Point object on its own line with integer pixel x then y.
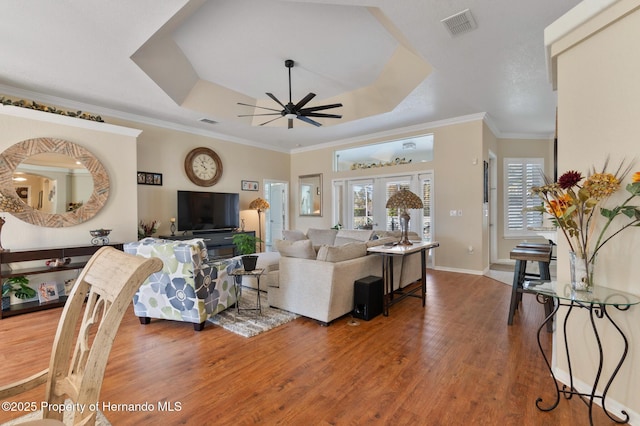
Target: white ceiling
{"type": "Point", "coordinates": [80, 55]}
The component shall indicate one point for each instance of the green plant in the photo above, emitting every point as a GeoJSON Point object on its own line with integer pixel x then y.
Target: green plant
{"type": "Point", "coordinates": [245, 243]}
{"type": "Point", "coordinates": [18, 286]}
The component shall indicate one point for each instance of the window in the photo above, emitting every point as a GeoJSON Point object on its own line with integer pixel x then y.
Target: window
{"type": "Point", "coordinates": [362, 199]}
{"type": "Point", "coordinates": [425, 182]}
{"type": "Point", "coordinates": [520, 174]}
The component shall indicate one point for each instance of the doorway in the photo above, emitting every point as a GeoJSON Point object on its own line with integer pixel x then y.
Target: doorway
{"type": "Point", "coordinates": [276, 217]}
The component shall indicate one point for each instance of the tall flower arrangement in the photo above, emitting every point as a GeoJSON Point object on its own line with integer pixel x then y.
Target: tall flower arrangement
{"type": "Point", "coordinates": [575, 204]}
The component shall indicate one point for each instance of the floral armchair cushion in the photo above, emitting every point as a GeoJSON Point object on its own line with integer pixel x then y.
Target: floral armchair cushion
{"type": "Point", "coordinates": [189, 287]}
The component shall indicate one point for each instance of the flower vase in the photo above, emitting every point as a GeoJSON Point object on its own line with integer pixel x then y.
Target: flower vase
{"type": "Point", "coordinates": [582, 271]}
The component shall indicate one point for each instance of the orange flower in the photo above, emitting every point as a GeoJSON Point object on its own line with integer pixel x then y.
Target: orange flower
{"type": "Point", "coordinates": [635, 177]}
{"type": "Point", "coordinates": [559, 206]}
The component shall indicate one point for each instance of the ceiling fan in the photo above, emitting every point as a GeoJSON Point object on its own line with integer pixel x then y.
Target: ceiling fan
{"type": "Point", "coordinates": [291, 111]}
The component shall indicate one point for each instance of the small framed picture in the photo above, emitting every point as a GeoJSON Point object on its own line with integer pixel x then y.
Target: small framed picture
{"type": "Point", "coordinates": [249, 185]}
{"type": "Point", "coordinates": [48, 292]}
{"type": "Point", "coordinates": [146, 178]}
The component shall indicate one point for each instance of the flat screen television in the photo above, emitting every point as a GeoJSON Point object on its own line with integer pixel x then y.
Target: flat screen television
{"type": "Point", "coordinates": [206, 211]}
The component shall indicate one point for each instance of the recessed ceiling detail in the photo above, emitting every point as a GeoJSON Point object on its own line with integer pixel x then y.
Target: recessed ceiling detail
{"type": "Point", "coordinates": [200, 59]}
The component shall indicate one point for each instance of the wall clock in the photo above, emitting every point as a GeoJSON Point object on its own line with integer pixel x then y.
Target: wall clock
{"type": "Point", "coordinates": [203, 166]}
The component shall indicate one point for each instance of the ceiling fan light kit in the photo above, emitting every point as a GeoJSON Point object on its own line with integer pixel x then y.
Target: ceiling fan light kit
{"type": "Point", "coordinates": [291, 110]}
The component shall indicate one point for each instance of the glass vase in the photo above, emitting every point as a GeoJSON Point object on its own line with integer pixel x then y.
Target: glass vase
{"type": "Point", "coordinates": [582, 271]}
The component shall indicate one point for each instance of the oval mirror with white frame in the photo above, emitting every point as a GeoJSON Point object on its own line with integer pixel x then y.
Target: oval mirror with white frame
{"type": "Point", "coordinates": [58, 182]}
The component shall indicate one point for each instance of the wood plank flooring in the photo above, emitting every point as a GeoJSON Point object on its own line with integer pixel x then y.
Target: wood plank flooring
{"type": "Point", "coordinates": [455, 362]}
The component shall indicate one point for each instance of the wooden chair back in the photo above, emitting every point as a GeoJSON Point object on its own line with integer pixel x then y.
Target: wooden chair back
{"type": "Point", "coordinates": [88, 325]}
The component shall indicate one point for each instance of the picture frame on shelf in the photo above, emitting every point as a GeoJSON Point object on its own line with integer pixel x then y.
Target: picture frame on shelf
{"type": "Point", "coordinates": [250, 185]}
{"type": "Point", "coordinates": [47, 292]}
{"type": "Point", "coordinates": [148, 178]}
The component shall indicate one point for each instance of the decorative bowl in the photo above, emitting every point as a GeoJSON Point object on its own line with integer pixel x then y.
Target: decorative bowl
{"type": "Point", "coordinates": [100, 232]}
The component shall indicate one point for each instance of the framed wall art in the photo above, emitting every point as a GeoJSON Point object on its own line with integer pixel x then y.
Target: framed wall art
{"type": "Point", "coordinates": [249, 185]}
{"type": "Point", "coordinates": [146, 178]}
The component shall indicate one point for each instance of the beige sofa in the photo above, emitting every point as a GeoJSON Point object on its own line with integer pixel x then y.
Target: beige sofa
{"type": "Point", "coordinates": [317, 270]}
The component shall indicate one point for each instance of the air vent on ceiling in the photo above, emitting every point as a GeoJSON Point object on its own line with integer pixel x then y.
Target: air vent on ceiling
{"type": "Point", "coordinates": [208, 121]}
{"type": "Point", "coordinates": [460, 23]}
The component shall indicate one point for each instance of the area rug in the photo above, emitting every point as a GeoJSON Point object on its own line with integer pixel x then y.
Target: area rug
{"type": "Point", "coordinates": [252, 323]}
{"type": "Point", "coordinates": [67, 419]}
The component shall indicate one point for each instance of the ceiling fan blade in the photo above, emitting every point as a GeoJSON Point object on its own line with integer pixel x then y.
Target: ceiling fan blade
{"type": "Point", "coordinates": [275, 99]}
{"type": "Point", "coordinates": [257, 106]}
{"type": "Point", "coordinates": [267, 122]}
{"type": "Point", "coordinates": [305, 100]}
{"type": "Point", "coordinates": [290, 123]}
{"type": "Point", "coordinates": [319, 108]}
{"type": "Point", "coordinates": [258, 115]}
{"type": "Point", "coordinates": [308, 120]}
{"type": "Point", "coordinates": [319, 114]}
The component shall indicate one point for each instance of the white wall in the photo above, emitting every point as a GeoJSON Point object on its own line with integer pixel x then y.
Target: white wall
{"type": "Point", "coordinates": [114, 146]}
{"type": "Point", "coordinates": [598, 109]}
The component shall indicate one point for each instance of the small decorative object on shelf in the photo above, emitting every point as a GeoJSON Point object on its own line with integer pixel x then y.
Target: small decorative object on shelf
{"type": "Point", "coordinates": [100, 236]}
{"type": "Point", "coordinates": [48, 292]}
{"type": "Point", "coordinates": [574, 202]}
{"type": "Point", "coordinates": [54, 263]}
{"type": "Point", "coordinates": [173, 226]}
{"type": "Point", "coordinates": [147, 229]}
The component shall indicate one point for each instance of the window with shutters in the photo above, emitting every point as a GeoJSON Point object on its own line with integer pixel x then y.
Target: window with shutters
{"type": "Point", "coordinates": [520, 174]}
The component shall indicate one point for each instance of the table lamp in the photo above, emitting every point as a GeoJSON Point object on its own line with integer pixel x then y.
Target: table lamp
{"type": "Point", "coordinates": [403, 200]}
{"type": "Point", "coordinates": [8, 204]}
{"type": "Point", "coordinates": [260, 205]}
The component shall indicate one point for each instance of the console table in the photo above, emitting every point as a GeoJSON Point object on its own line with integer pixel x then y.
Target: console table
{"type": "Point", "coordinates": [28, 255]}
{"type": "Point", "coordinates": [596, 302]}
{"type": "Point", "coordinates": [215, 241]}
{"type": "Point", "coordinates": [388, 253]}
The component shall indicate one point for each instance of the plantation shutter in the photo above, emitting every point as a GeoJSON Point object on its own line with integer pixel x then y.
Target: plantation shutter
{"type": "Point", "coordinates": [521, 174]}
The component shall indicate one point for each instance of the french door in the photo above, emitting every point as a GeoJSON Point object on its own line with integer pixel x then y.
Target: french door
{"type": "Point", "coordinates": [360, 204]}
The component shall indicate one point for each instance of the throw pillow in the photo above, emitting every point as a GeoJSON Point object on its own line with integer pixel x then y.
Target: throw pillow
{"type": "Point", "coordinates": [301, 249]}
{"type": "Point", "coordinates": [355, 234]}
{"type": "Point", "coordinates": [340, 253]}
{"type": "Point", "coordinates": [322, 236]}
{"type": "Point", "coordinates": [293, 235]}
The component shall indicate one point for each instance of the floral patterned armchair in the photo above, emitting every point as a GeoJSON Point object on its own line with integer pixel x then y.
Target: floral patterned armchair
{"type": "Point", "coordinates": [189, 287]}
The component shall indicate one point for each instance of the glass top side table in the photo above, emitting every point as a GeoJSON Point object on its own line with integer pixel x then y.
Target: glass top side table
{"type": "Point", "coordinates": [257, 273]}
{"type": "Point", "coordinates": [596, 302]}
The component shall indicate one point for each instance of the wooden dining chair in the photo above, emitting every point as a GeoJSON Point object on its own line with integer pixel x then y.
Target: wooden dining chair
{"type": "Point", "coordinates": [98, 301]}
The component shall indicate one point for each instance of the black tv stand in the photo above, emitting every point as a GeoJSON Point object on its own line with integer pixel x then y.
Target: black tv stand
{"type": "Point", "coordinates": [209, 231]}
{"type": "Point", "coordinates": [219, 242]}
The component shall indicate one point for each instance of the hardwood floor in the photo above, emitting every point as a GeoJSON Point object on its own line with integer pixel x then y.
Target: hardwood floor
{"type": "Point", "coordinates": [455, 362]}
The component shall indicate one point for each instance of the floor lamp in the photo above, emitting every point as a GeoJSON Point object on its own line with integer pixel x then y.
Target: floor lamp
{"type": "Point", "coordinates": [8, 204]}
{"type": "Point", "coordinates": [403, 200]}
{"type": "Point", "coordinates": [260, 205]}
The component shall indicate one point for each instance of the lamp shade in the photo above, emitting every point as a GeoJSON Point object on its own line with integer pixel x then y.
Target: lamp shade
{"type": "Point", "coordinates": [259, 204]}
{"type": "Point", "coordinates": [404, 199]}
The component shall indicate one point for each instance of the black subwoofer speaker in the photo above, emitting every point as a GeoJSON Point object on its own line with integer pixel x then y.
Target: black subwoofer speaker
{"type": "Point", "coordinates": [367, 297]}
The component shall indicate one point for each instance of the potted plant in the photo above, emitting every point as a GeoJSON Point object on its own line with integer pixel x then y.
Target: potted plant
{"type": "Point", "coordinates": [246, 245]}
{"type": "Point", "coordinates": [19, 286]}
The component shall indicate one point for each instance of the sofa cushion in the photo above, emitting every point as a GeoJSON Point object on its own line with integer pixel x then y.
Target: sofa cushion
{"type": "Point", "coordinates": [349, 235]}
{"type": "Point", "coordinates": [293, 235]}
{"type": "Point", "coordinates": [302, 249]}
{"type": "Point", "coordinates": [321, 237]}
{"type": "Point", "coordinates": [341, 253]}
